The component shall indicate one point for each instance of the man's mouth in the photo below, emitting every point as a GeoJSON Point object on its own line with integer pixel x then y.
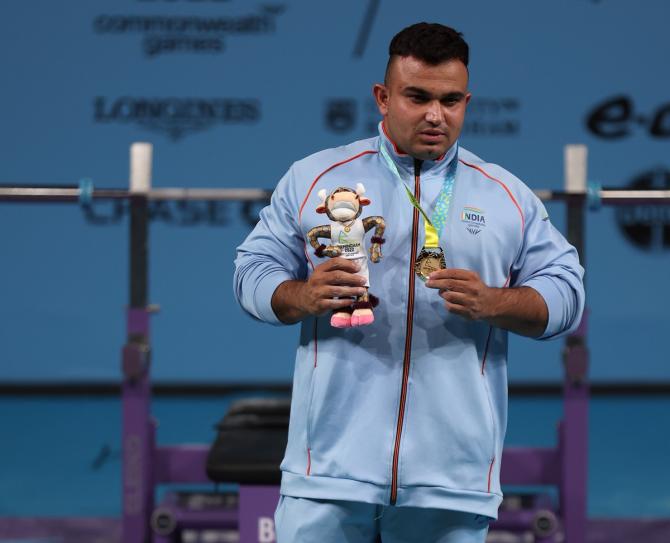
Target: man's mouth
{"type": "Point", "coordinates": [432, 132]}
{"type": "Point", "coordinates": [432, 135]}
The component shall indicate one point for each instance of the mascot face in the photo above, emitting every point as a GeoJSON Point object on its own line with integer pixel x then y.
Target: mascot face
{"type": "Point", "coordinates": [343, 204]}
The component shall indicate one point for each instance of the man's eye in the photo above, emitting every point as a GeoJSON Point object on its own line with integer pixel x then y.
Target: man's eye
{"type": "Point", "coordinates": [417, 99]}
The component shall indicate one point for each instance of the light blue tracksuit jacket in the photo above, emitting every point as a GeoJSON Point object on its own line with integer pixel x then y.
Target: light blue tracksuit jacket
{"type": "Point", "coordinates": [412, 409]}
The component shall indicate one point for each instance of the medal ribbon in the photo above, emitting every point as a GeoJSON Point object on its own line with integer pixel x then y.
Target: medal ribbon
{"type": "Point", "coordinates": [441, 211]}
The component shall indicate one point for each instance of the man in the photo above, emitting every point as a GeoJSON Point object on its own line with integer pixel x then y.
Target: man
{"type": "Point", "coordinates": [397, 427]}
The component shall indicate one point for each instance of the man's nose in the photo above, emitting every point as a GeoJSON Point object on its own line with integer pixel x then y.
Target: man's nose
{"type": "Point", "coordinates": [434, 113]}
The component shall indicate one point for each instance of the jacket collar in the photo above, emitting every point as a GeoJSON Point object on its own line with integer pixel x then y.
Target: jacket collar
{"type": "Point", "coordinates": [405, 162]}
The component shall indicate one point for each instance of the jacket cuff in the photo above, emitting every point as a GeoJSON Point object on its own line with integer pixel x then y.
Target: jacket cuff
{"type": "Point", "coordinates": [553, 297]}
{"type": "Point", "coordinates": [263, 296]}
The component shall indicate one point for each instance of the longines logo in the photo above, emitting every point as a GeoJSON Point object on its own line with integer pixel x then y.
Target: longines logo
{"type": "Point", "coordinates": [498, 117]}
{"type": "Point", "coordinates": [176, 116]}
{"type": "Point", "coordinates": [647, 226]}
{"type": "Point", "coordinates": [188, 34]}
{"type": "Point", "coordinates": [485, 117]}
{"type": "Point", "coordinates": [616, 118]}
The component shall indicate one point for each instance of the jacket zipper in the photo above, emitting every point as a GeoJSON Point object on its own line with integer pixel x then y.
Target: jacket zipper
{"type": "Point", "coordinates": [408, 336]}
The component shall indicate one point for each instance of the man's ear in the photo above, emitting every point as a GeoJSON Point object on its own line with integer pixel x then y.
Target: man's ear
{"type": "Point", "coordinates": [381, 95]}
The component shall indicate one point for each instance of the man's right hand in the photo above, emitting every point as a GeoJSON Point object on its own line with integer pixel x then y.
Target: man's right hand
{"type": "Point", "coordinates": [332, 285]}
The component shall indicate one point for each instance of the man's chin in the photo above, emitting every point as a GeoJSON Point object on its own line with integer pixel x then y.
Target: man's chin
{"type": "Point", "coordinates": [428, 153]}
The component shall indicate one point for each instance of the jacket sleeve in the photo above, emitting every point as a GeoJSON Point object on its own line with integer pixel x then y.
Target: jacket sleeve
{"type": "Point", "coordinates": [550, 265]}
{"type": "Point", "coordinates": [272, 253]}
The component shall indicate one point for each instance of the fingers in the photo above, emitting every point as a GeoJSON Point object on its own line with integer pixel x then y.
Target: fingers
{"type": "Point", "coordinates": [455, 298]}
{"type": "Point", "coordinates": [458, 303]}
{"type": "Point", "coordinates": [454, 279]}
{"type": "Point", "coordinates": [443, 284]}
{"type": "Point", "coordinates": [339, 263]}
{"type": "Point", "coordinates": [329, 304]}
{"type": "Point", "coordinates": [334, 285]}
{"type": "Point", "coordinates": [459, 310]}
{"type": "Point", "coordinates": [341, 278]}
{"type": "Point", "coordinates": [343, 292]}
{"type": "Point", "coordinates": [453, 285]}
{"type": "Point", "coordinates": [455, 274]}
{"type": "Point", "coordinates": [338, 271]}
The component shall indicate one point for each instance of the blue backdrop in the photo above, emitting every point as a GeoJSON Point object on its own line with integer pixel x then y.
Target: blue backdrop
{"type": "Point", "coordinates": [231, 92]}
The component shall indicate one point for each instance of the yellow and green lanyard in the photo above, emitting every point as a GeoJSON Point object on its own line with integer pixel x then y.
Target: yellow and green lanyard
{"type": "Point", "coordinates": [436, 223]}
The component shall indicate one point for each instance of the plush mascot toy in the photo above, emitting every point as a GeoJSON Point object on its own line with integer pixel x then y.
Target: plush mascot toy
{"type": "Point", "coordinates": [346, 233]}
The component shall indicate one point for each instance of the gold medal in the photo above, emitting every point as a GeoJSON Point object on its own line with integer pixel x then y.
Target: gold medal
{"type": "Point", "coordinates": [428, 261]}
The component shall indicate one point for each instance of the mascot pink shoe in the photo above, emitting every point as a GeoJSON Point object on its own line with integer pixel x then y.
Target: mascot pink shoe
{"type": "Point", "coordinates": [361, 317]}
{"type": "Point", "coordinates": [341, 320]}
{"type": "Point", "coordinates": [362, 314]}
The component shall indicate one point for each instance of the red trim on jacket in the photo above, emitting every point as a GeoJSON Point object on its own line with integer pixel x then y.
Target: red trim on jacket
{"type": "Point", "coordinates": [509, 192]}
{"type": "Point", "coordinates": [316, 180]}
{"type": "Point", "coordinates": [486, 348]}
{"type": "Point", "coordinates": [316, 345]}
{"type": "Point", "coordinates": [395, 147]}
{"type": "Point", "coordinates": [302, 206]}
{"type": "Point", "coordinates": [333, 166]}
{"type": "Point", "coordinates": [491, 471]}
{"type": "Point", "coordinates": [488, 338]}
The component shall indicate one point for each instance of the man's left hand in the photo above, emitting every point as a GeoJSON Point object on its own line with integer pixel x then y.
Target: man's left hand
{"type": "Point", "coordinates": [520, 309]}
{"type": "Point", "coordinates": [464, 293]}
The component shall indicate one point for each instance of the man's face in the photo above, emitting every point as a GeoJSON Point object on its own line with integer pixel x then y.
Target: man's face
{"type": "Point", "coordinates": [423, 106]}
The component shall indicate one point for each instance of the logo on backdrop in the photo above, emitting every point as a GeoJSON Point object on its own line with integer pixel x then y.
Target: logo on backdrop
{"type": "Point", "coordinates": [493, 117]}
{"type": "Point", "coordinates": [176, 117]}
{"type": "Point", "coordinates": [647, 226]}
{"type": "Point", "coordinates": [341, 114]}
{"type": "Point", "coordinates": [617, 118]}
{"type": "Point", "coordinates": [485, 117]}
{"type": "Point", "coordinates": [163, 34]}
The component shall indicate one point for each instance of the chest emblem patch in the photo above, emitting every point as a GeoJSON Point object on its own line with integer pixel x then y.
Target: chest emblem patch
{"type": "Point", "coordinates": [474, 220]}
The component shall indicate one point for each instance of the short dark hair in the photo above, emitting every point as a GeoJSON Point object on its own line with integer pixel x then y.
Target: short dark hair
{"type": "Point", "coordinates": [431, 43]}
